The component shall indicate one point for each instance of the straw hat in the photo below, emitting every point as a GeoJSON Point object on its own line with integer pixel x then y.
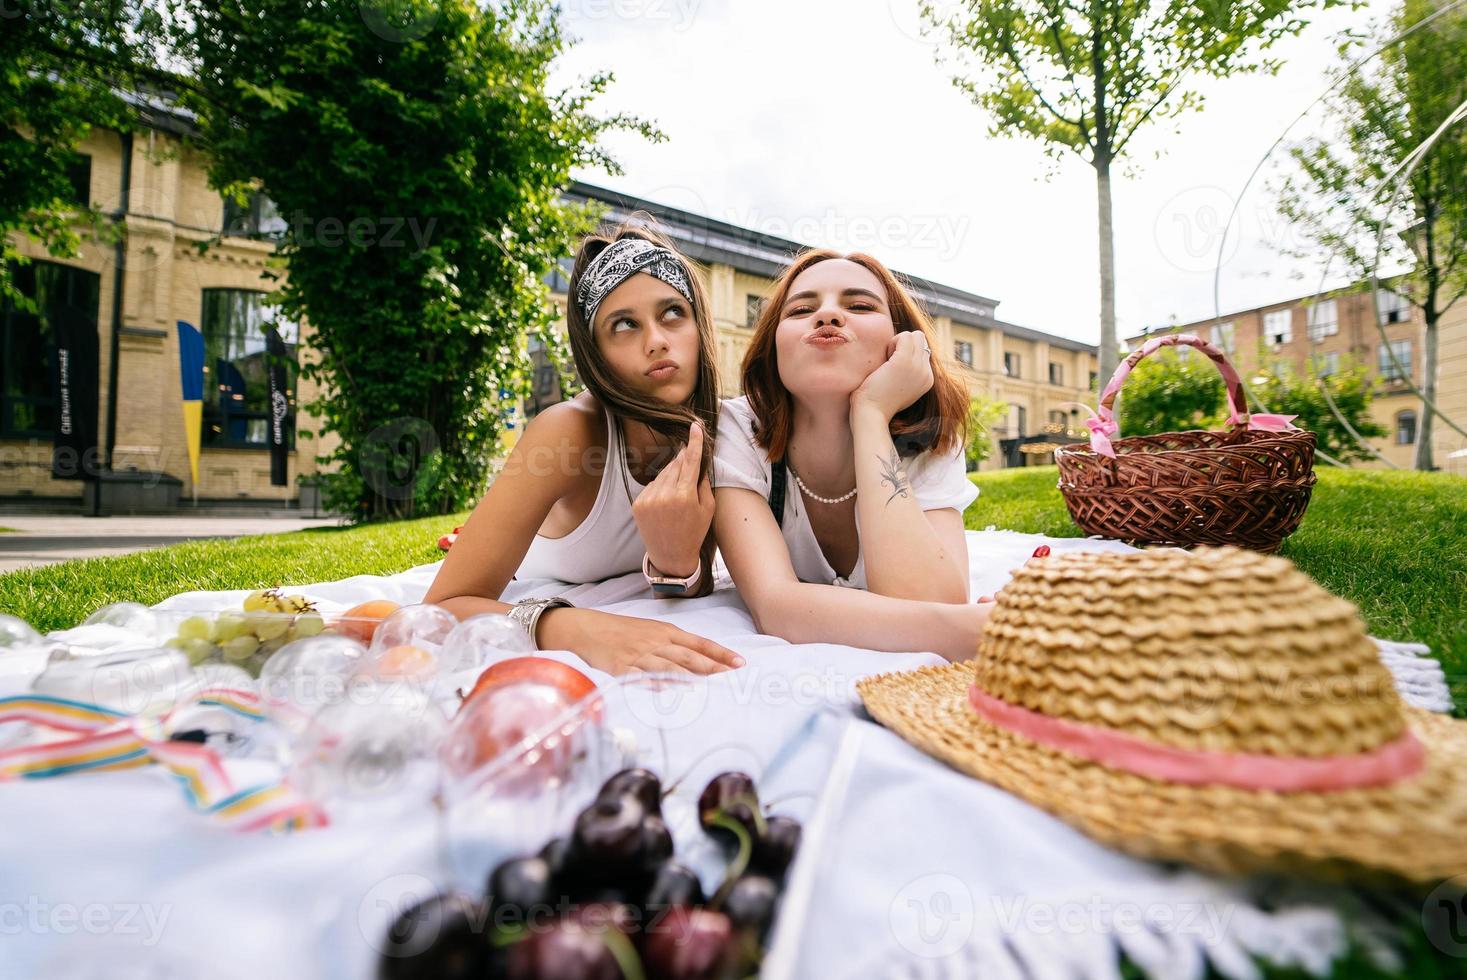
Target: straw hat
{"type": "Point", "coordinates": [1214, 706]}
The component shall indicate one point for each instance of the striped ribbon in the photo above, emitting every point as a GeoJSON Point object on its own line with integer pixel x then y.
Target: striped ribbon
{"type": "Point", "coordinates": [108, 740]}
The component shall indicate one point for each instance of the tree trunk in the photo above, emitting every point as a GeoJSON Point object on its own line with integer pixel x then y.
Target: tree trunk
{"type": "Point", "coordinates": [1428, 388]}
{"type": "Point", "coordinates": [1107, 270]}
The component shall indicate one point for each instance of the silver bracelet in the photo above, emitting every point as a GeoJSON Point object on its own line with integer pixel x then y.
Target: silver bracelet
{"type": "Point", "coordinates": [527, 612]}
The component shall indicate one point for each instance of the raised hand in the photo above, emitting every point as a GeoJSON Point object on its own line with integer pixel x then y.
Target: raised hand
{"type": "Point", "coordinates": [675, 510]}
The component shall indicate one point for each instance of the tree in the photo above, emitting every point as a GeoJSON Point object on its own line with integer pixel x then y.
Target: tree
{"type": "Point", "coordinates": [65, 65]}
{"type": "Point", "coordinates": [1289, 392]}
{"type": "Point", "coordinates": [983, 415]}
{"type": "Point", "coordinates": [1345, 198]}
{"type": "Point", "coordinates": [417, 158]}
{"type": "Point", "coordinates": [1086, 75]}
{"type": "Point", "coordinates": [1171, 391]}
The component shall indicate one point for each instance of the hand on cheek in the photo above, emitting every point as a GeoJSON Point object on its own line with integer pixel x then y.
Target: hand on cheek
{"type": "Point", "coordinates": [905, 376]}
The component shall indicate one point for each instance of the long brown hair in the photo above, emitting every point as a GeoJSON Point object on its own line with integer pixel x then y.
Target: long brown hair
{"type": "Point", "coordinates": [625, 403]}
{"type": "Point", "coordinates": [938, 420]}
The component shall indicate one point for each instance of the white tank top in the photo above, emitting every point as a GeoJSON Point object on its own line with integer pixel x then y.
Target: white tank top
{"type": "Point", "coordinates": [607, 543]}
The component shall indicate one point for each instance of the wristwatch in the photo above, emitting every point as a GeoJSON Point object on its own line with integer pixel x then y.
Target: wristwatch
{"type": "Point", "coordinates": [666, 584]}
{"type": "Point", "coordinates": [527, 612]}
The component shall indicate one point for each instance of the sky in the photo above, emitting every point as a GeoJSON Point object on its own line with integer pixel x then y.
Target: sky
{"type": "Point", "coordinates": [829, 122]}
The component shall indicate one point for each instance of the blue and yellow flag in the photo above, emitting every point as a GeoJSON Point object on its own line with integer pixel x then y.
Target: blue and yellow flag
{"type": "Point", "coordinates": [191, 373]}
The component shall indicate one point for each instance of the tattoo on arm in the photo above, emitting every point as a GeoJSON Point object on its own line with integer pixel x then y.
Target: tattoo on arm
{"type": "Point", "coordinates": [891, 472]}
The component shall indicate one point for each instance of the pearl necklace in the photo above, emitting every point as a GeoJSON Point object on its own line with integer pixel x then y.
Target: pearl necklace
{"type": "Point", "coordinates": [815, 496]}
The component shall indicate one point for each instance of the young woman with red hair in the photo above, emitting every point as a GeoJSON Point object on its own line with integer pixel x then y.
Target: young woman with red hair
{"type": "Point", "coordinates": [839, 475]}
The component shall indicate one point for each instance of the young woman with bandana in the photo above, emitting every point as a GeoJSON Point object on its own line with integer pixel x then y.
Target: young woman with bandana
{"type": "Point", "coordinates": [614, 480]}
{"type": "Point", "coordinates": [839, 475]}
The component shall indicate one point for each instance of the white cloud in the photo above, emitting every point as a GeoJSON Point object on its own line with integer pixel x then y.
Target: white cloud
{"type": "Point", "coordinates": [827, 121]}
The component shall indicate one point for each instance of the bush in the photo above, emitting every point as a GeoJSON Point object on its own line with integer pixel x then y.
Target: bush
{"type": "Point", "coordinates": [1171, 391]}
{"type": "Point", "coordinates": [983, 415]}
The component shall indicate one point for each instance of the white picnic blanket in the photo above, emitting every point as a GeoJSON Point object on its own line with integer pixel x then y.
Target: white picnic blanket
{"type": "Point", "coordinates": [908, 868]}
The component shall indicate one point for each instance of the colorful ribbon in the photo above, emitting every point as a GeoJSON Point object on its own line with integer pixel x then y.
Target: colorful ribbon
{"type": "Point", "coordinates": [1380, 766]}
{"type": "Point", "coordinates": [110, 740]}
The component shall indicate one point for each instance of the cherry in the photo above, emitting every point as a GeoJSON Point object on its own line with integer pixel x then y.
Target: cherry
{"type": "Point", "coordinates": [775, 849]}
{"type": "Point", "coordinates": [655, 843]}
{"type": "Point", "coordinates": [641, 783]}
{"type": "Point", "coordinates": [519, 888]}
{"type": "Point", "coordinates": [441, 937]}
{"type": "Point", "coordinates": [565, 950]}
{"type": "Point", "coordinates": [688, 944]}
{"type": "Point", "coordinates": [674, 884]}
{"type": "Point", "coordinates": [750, 903]}
{"type": "Point", "coordinates": [729, 795]}
{"type": "Point", "coordinates": [557, 856]}
{"type": "Point", "coordinates": [609, 835]}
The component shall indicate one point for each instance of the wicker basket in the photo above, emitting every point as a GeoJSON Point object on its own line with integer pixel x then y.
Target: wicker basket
{"type": "Point", "coordinates": [1248, 485]}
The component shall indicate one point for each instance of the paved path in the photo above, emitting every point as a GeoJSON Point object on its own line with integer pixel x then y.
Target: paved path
{"type": "Point", "coordinates": [48, 539]}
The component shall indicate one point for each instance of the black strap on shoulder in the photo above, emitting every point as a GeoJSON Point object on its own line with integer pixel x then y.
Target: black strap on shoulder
{"type": "Point", "coordinates": [778, 478]}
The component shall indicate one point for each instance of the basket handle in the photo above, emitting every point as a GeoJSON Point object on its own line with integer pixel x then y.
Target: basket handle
{"type": "Point", "coordinates": [1102, 424]}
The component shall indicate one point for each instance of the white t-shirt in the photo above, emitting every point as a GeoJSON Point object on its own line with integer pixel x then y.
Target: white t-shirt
{"type": "Point", "coordinates": [738, 461]}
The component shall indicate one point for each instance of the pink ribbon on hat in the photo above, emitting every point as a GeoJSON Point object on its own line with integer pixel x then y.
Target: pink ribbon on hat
{"type": "Point", "coordinates": [1397, 759]}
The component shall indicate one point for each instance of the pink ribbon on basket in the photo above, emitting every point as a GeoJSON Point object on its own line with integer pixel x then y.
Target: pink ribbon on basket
{"type": "Point", "coordinates": [1267, 422]}
{"type": "Point", "coordinates": [1101, 427]}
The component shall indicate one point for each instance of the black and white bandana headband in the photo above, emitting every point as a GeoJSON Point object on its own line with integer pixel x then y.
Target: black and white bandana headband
{"type": "Point", "coordinates": [623, 259]}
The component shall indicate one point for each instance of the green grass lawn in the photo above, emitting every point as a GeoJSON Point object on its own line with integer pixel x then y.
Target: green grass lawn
{"type": "Point", "coordinates": [1394, 543]}
{"type": "Point", "coordinates": [59, 596]}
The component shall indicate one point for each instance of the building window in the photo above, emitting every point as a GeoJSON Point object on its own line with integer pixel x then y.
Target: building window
{"type": "Point", "coordinates": [1393, 307]}
{"type": "Point", "coordinates": [28, 342]}
{"type": "Point", "coordinates": [1094, 380]}
{"type": "Point", "coordinates": [79, 177]}
{"type": "Point", "coordinates": [236, 380]}
{"type": "Point", "coordinates": [963, 351]}
{"type": "Point", "coordinates": [1278, 326]}
{"type": "Point", "coordinates": [1222, 337]}
{"type": "Point", "coordinates": [1058, 422]}
{"type": "Point", "coordinates": [1388, 369]}
{"type": "Point", "coordinates": [1405, 427]}
{"type": "Point", "coordinates": [257, 217]}
{"type": "Point", "coordinates": [1324, 365]}
{"type": "Point", "coordinates": [1324, 320]}
{"type": "Point", "coordinates": [1020, 420]}
{"type": "Point", "coordinates": [753, 307]}
{"type": "Point", "coordinates": [1011, 364]}
{"type": "Point", "coordinates": [1056, 373]}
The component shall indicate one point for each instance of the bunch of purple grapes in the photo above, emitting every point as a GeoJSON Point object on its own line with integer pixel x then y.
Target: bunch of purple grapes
{"type": "Point", "coordinates": [609, 901]}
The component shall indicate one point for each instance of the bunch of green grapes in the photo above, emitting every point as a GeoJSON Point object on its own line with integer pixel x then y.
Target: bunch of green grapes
{"type": "Point", "coordinates": [247, 639]}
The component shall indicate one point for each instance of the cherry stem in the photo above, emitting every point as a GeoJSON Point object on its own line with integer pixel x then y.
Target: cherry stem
{"type": "Point", "coordinates": [740, 862]}
{"type": "Point", "coordinates": [624, 953]}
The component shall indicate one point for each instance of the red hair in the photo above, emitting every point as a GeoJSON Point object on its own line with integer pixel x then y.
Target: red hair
{"type": "Point", "coordinates": [937, 421]}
